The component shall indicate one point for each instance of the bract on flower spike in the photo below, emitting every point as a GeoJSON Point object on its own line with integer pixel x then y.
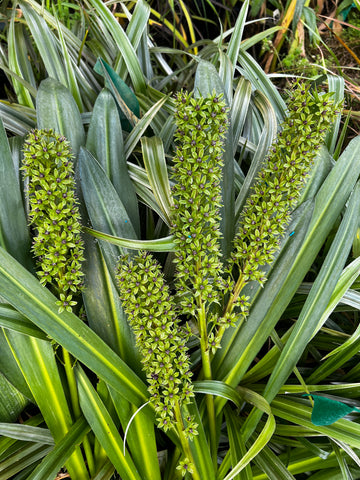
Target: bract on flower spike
{"type": "Point", "coordinates": [161, 340]}
{"type": "Point", "coordinates": [54, 214]}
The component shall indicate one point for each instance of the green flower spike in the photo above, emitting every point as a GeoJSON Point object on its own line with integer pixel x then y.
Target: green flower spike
{"type": "Point", "coordinates": [54, 214]}
{"type": "Point", "coordinates": [159, 337]}
{"type": "Point", "coordinates": [202, 124]}
{"type": "Point", "coordinates": [278, 187]}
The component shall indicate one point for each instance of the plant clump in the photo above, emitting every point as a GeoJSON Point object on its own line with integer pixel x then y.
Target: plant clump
{"type": "Point", "coordinates": [54, 214]}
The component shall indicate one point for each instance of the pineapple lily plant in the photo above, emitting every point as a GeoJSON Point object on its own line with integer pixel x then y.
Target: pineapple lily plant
{"type": "Point", "coordinates": [156, 322]}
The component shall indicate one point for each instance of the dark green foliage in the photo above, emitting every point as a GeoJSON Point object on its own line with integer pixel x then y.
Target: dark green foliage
{"type": "Point", "coordinates": [54, 214]}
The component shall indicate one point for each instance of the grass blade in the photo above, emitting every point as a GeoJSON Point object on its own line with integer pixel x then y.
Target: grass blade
{"type": "Point", "coordinates": [105, 142]}
{"type": "Point", "coordinates": [28, 433]}
{"type": "Point", "coordinates": [14, 232]}
{"type": "Point", "coordinates": [19, 62]}
{"type": "Point", "coordinates": [130, 62]}
{"type": "Point", "coordinates": [156, 168]}
{"type": "Point", "coordinates": [36, 360]}
{"type": "Point", "coordinates": [104, 428]}
{"type": "Point", "coordinates": [51, 464]}
{"type": "Point", "coordinates": [159, 245]}
{"type": "Point", "coordinates": [45, 42]}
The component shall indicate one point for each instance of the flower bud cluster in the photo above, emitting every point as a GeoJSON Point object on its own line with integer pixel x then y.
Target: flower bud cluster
{"type": "Point", "coordinates": [161, 340]}
{"type": "Point", "coordinates": [278, 187]}
{"type": "Point", "coordinates": [54, 214]}
{"type": "Point", "coordinates": [201, 128]}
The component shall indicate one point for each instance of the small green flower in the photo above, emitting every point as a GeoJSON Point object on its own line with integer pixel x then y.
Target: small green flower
{"type": "Point", "coordinates": [54, 214]}
{"type": "Point", "coordinates": [65, 303]}
{"type": "Point", "coordinates": [185, 466]}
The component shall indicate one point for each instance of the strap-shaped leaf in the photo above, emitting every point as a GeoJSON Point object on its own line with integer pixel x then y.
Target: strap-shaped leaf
{"type": "Point", "coordinates": [12, 402]}
{"type": "Point", "coordinates": [239, 109]}
{"type": "Point", "coordinates": [28, 433]}
{"type": "Point", "coordinates": [19, 62]}
{"type": "Point", "coordinates": [105, 142]}
{"type": "Point", "coordinates": [130, 61]}
{"type": "Point", "coordinates": [104, 428]}
{"type": "Point", "coordinates": [156, 168]}
{"type": "Point", "coordinates": [57, 109]}
{"type": "Point", "coordinates": [236, 37]}
{"type": "Point", "coordinates": [17, 121]}
{"type": "Point", "coordinates": [135, 31]}
{"type": "Point", "coordinates": [105, 209]}
{"type": "Point", "coordinates": [70, 70]}
{"type": "Point", "coordinates": [159, 245]}
{"type": "Point", "coordinates": [10, 369]}
{"type": "Point", "coordinates": [213, 387]}
{"type": "Point", "coordinates": [13, 320]}
{"type": "Point", "coordinates": [140, 128]}
{"type": "Point", "coordinates": [129, 107]}
{"type": "Point", "coordinates": [104, 312]}
{"type": "Point", "coordinates": [23, 458]}
{"type": "Point", "coordinates": [45, 42]}
{"type": "Point", "coordinates": [140, 438]}
{"type": "Point", "coordinates": [37, 362]}
{"type": "Point", "coordinates": [14, 233]}
{"type": "Point", "coordinates": [51, 464]}
{"type": "Point", "coordinates": [262, 82]}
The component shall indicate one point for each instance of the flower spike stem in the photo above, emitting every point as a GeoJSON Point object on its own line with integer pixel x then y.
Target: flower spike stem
{"type": "Point", "coordinates": [188, 464]}
{"type": "Point", "coordinates": [276, 192]}
{"type": "Point", "coordinates": [202, 124]}
{"type": "Point", "coordinates": [71, 381]}
{"type": "Point", "coordinates": [151, 312]}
